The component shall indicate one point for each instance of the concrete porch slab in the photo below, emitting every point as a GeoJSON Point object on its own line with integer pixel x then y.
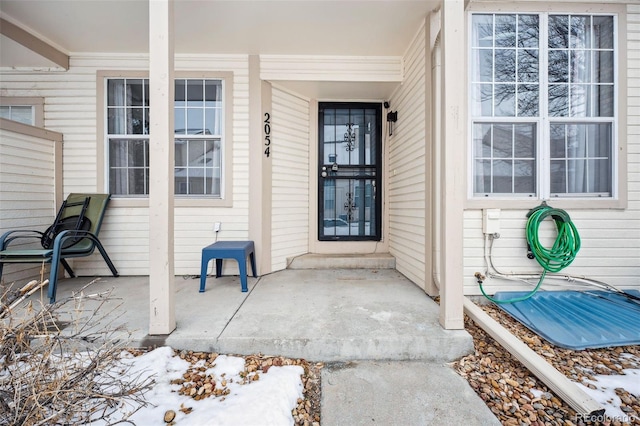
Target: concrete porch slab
{"type": "Point", "coordinates": [320, 315]}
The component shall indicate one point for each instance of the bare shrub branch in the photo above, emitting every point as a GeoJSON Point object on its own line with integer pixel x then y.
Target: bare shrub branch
{"type": "Point", "coordinates": [55, 372]}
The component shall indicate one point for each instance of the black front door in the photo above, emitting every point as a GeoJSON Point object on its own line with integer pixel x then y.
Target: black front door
{"type": "Point", "coordinates": [349, 183]}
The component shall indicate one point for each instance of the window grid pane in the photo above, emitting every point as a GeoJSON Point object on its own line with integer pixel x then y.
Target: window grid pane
{"type": "Point", "coordinates": [127, 106]}
{"type": "Point", "coordinates": [504, 158]}
{"type": "Point", "coordinates": [198, 107]}
{"type": "Point", "coordinates": [581, 56]}
{"type": "Point", "coordinates": [505, 66]}
{"type": "Point", "coordinates": [581, 159]}
{"type": "Point", "coordinates": [128, 166]}
{"type": "Point", "coordinates": [198, 167]}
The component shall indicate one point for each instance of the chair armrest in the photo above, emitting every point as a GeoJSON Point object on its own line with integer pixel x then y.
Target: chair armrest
{"type": "Point", "coordinates": [10, 236]}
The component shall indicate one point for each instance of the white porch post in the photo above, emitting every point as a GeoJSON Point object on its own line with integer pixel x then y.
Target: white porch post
{"type": "Point", "coordinates": [161, 163]}
{"type": "Point", "coordinates": [260, 202]}
{"type": "Point", "coordinates": [453, 171]}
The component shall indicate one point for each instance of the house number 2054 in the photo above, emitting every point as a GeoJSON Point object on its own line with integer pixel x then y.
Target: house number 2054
{"type": "Point", "coordinates": [267, 134]}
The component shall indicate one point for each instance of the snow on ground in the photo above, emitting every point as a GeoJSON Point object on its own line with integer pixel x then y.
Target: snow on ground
{"type": "Point", "coordinates": [605, 393]}
{"type": "Point", "coordinates": [270, 400]}
{"type": "Point", "coordinates": [267, 401]}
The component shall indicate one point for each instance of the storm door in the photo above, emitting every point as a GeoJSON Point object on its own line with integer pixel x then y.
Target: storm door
{"type": "Point", "coordinates": [349, 183]}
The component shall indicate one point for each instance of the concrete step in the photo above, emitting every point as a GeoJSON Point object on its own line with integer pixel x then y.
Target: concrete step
{"type": "Point", "coordinates": [339, 315]}
{"type": "Point", "coordinates": [343, 261]}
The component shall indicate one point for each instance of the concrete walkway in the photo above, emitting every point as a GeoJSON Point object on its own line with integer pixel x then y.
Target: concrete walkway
{"type": "Point", "coordinates": [385, 353]}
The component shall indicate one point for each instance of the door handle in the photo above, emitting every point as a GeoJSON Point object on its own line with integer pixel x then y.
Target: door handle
{"type": "Point", "coordinates": [334, 168]}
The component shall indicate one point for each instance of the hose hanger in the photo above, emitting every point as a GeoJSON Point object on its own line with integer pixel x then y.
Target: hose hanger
{"type": "Point", "coordinates": [554, 259]}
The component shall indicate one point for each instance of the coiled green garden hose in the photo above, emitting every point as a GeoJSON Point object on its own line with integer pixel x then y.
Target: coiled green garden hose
{"type": "Point", "coordinates": [564, 250]}
{"type": "Point", "coordinates": [567, 242]}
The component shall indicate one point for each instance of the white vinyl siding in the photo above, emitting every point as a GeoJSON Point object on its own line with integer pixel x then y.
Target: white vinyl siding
{"type": "Point", "coordinates": [407, 168]}
{"type": "Point", "coordinates": [27, 193]}
{"type": "Point", "coordinates": [610, 250]}
{"type": "Point", "coordinates": [70, 109]}
{"type": "Point", "coordinates": [290, 171]}
{"type": "Point", "coordinates": [331, 68]}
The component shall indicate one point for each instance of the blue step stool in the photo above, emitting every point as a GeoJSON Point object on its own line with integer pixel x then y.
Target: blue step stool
{"type": "Point", "coordinates": [238, 250]}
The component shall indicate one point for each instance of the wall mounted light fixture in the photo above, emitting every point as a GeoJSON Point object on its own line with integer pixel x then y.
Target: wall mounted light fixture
{"type": "Point", "coordinates": [392, 117]}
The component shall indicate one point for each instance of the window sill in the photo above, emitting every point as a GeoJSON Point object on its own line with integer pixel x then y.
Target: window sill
{"type": "Point", "coordinates": [560, 203]}
{"type": "Point", "coordinates": [178, 202]}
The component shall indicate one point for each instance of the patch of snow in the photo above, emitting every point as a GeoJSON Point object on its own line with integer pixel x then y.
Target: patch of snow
{"type": "Point", "coordinates": [605, 393]}
{"type": "Point", "coordinates": [267, 401]}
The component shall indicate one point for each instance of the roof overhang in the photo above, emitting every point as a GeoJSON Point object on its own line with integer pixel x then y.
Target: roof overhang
{"type": "Point", "coordinates": [44, 34]}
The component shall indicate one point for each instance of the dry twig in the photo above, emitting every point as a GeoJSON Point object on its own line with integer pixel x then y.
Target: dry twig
{"type": "Point", "coordinates": [54, 372]}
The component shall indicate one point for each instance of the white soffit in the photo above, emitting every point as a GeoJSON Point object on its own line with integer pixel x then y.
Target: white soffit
{"type": "Point", "coordinates": [313, 27]}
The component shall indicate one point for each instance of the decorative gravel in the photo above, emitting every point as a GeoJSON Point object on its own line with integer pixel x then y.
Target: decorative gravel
{"type": "Point", "coordinates": [199, 386]}
{"type": "Point", "coordinates": [517, 397]}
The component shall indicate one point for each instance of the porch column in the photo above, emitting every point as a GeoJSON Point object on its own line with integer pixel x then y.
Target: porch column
{"type": "Point", "coordinates": [453, 171]}
{"type": "Point", "coordinates": [161, 163]}
{"type": "Point", "coordinates": [261, 122]}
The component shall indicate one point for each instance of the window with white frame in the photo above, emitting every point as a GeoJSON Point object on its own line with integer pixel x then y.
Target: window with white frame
{"type": "Point", "coordinates": [198, 113]}
{"type": "Point", "coordinates": [543, 116]}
